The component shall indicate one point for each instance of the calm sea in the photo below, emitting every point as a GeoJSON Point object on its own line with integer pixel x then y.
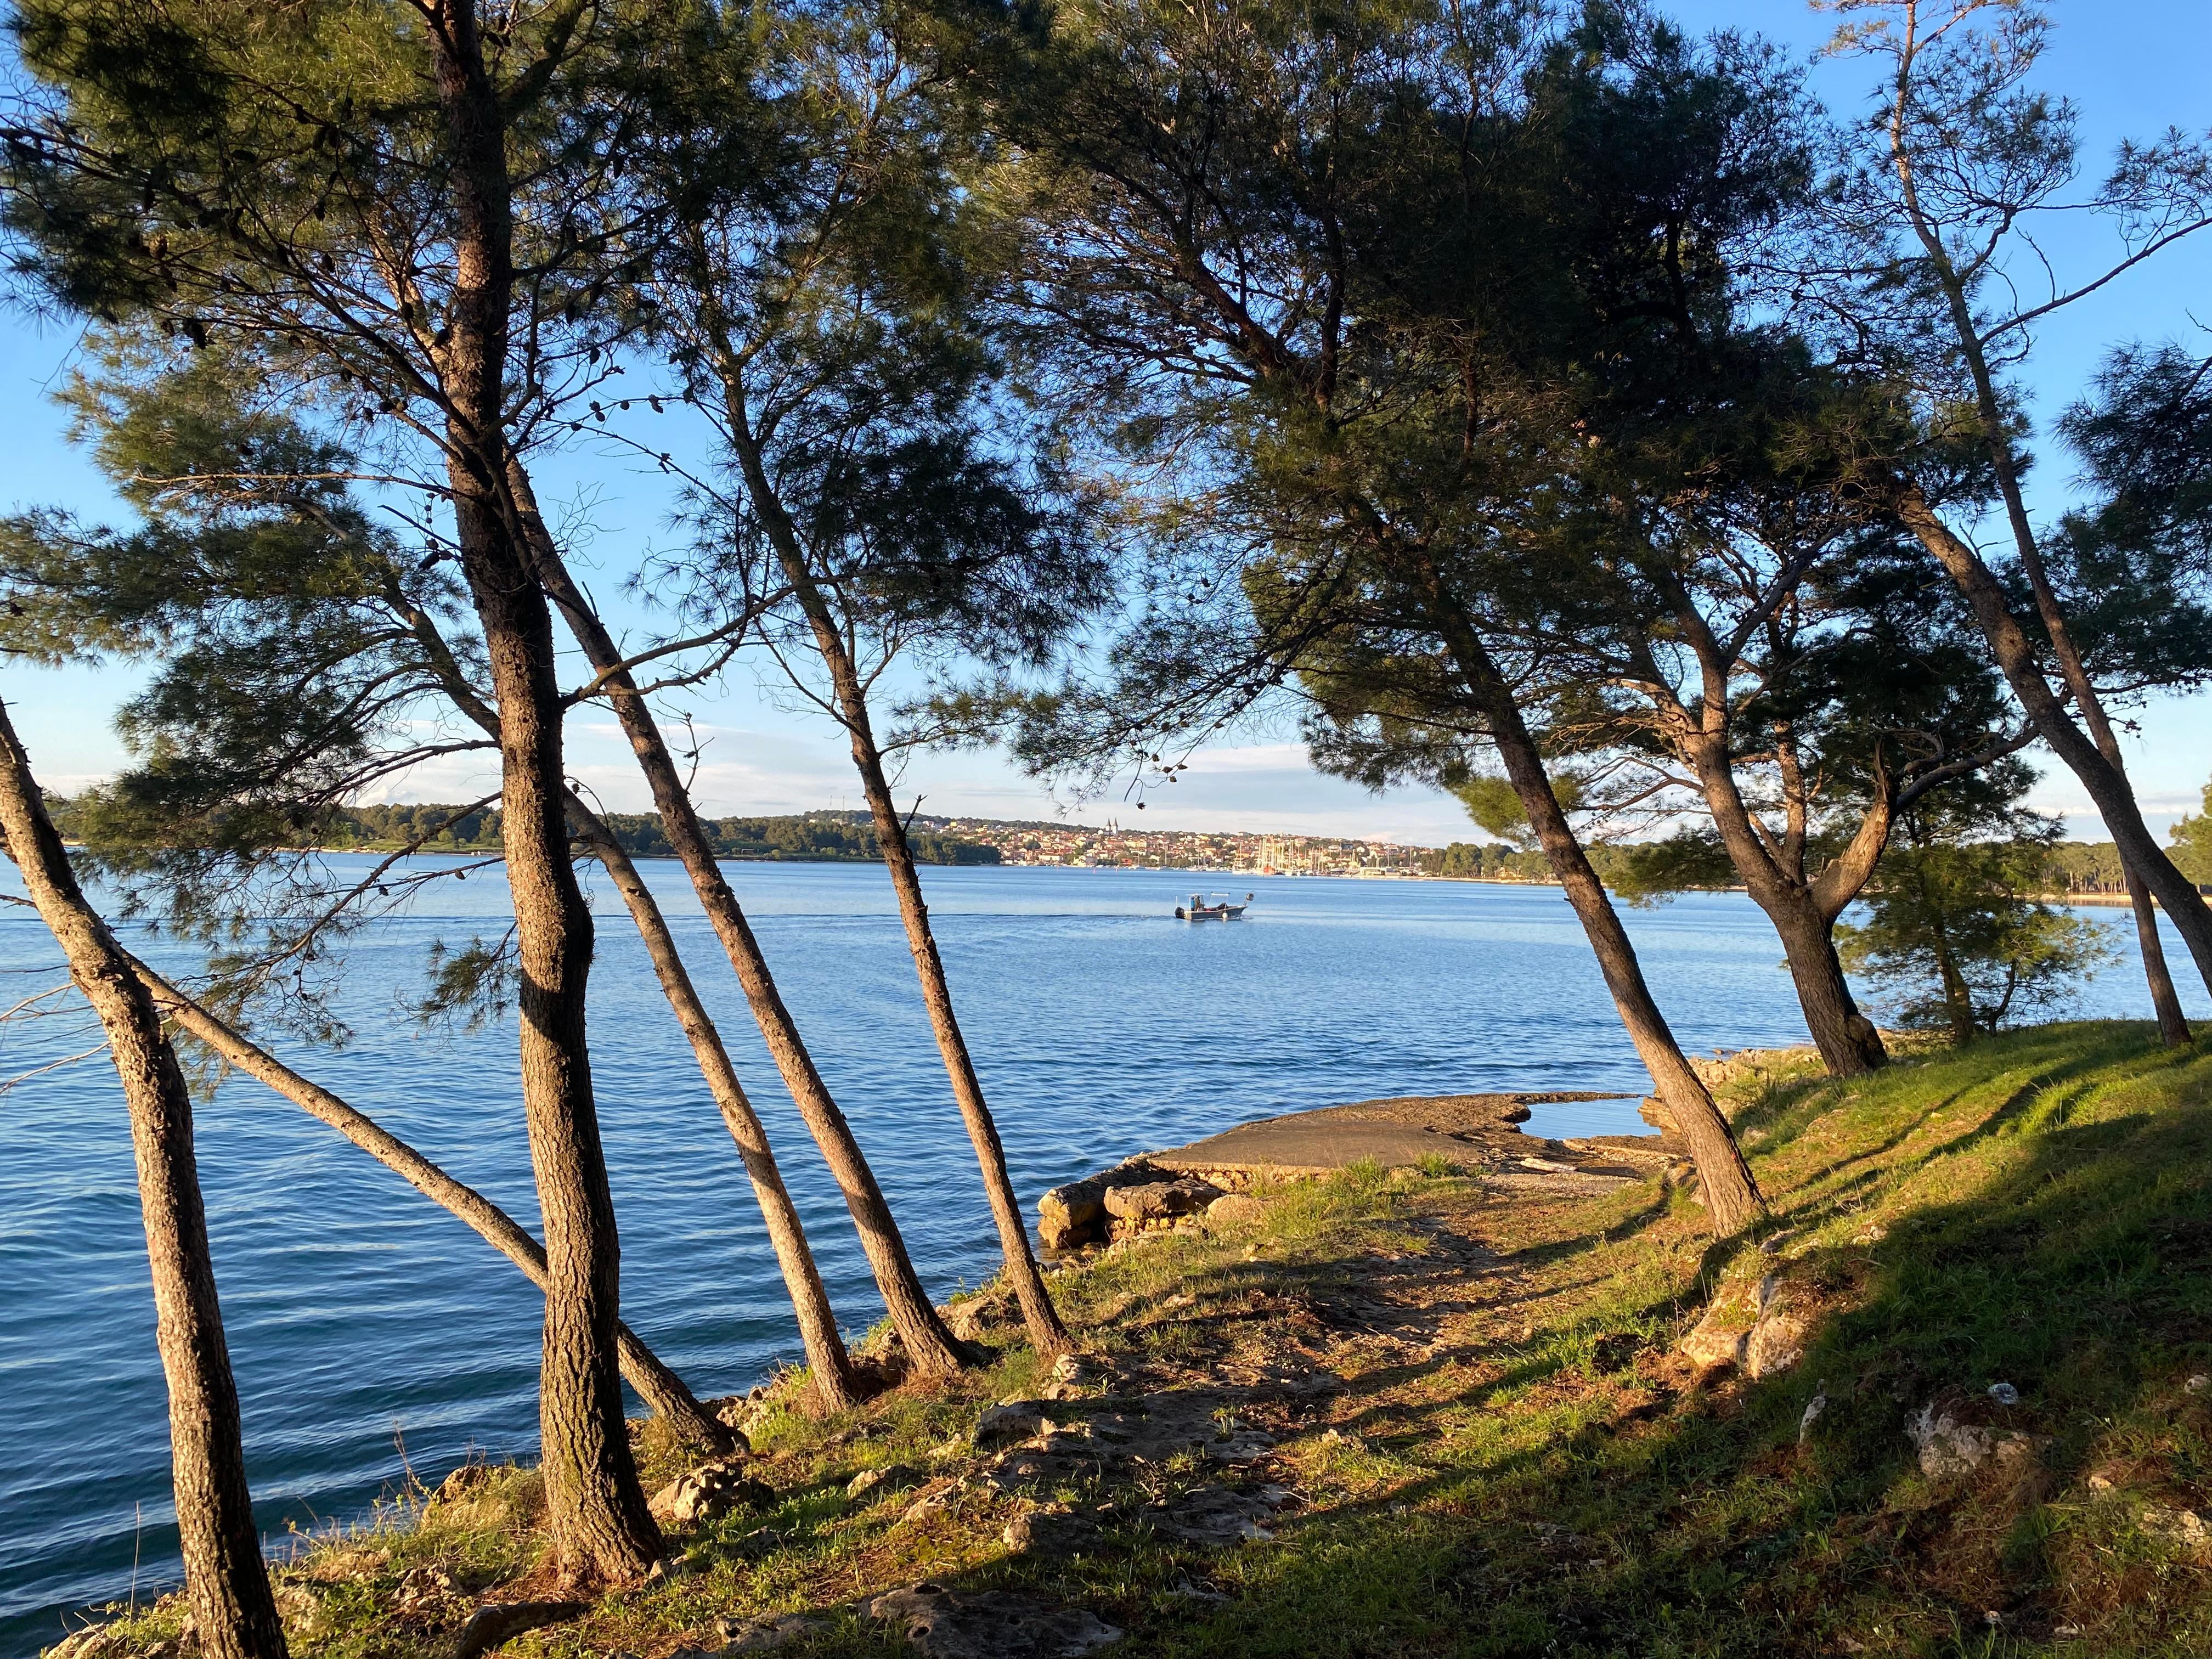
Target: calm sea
{"type": "Point", "coordinates": [368, 1326]}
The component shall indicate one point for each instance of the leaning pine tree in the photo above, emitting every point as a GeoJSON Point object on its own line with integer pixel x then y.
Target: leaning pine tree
{"type": "Point", "coordinates": [834, 331]}
{"type": "Point", "coordinates": [339, 184]}
{"type": "Point", "coordinates": [225, 1577]}
{"type": "Point", "coordinates": [1306, 281]}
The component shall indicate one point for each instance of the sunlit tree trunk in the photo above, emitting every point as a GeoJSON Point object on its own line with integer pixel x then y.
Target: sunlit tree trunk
{"type": "Point", "coordinates": [930, 1348]}
{"type": "Point", "coordinates": [643, 1370]}
{"type": "Point", "coordinates": [225, 1577]}
{"type": "Point", "coordinates": [595, 1506]}
{"type": "Point", "coordinates": [1732, 1196]}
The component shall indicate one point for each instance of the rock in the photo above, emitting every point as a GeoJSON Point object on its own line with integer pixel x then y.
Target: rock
{"type": "Point", "coordinates": [876, 1485]}
{"type": "Point", "coordinates": [1048, 1532]}
{"type": "Point", "coordinates": [1813, 1407]}
{"type": "Point", "coordinates": [708, 1493]}
{"type": "Point", "coordinates": [2197, 1384]}
{"type": "Point", "coordinates": [463, 1484]}
{"type": "Point", "coordinates": [1074, 1374]}
{"type": "Point", "coordinates": [94, 1642]}
{"type": "Point", "coordinates": [1236, 1210]}
{"type": "Point", "coordinates": [1010, 1420]}
{"type": "Point", "coordinates": [1750, 1326]}
{"type": "Point", "coordinates": [497, 1622]}
{"type": "Point", "coordinates": [1240, 1446]}
{"type": "Point", "coordinates": [2183, 1528]}
{"type": "Point", "coordinates": [1159, 1200]}
{"type": "Point", "coordinates": [763, 1635]}
{"type": "Point", "coordinates": [1075, 1214]}
{"type": "Point", "coordinates": [991, 1625]}
{"type": "Point", "coordinates": [1215, 1514]}
{"type": "Point", "coordinates": [1654, 1112]}
{"type": "Point", "coordinates": [939, 1494]}
{"type": "Point", "coordinates": [1949, 1445]}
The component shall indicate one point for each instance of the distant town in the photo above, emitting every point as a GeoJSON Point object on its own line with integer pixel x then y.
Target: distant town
{"type": "Point", "coordinates": [1114, 847]}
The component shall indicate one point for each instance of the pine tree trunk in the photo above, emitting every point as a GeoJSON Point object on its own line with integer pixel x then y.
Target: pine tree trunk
{"type": "Point", "coordinates": [1848, 1043]}
{"type": "Point", "coordinates": [1047, 1334]}
{"type": "Point", "coordinates": [930, 1348]}
{"type": "Point", "coordinates": [2165, 1001]}
{"type": "Point", "coordinates": [595, 1506]}
{"type": "Point", "coordinates": [225, 1576]}
{"type": "Point", "coordinates": [1732, 1197]}
{"type": "Point", "coordinates": [829, 1367]}
{"type": "Point", "coordinates": [643, 1370]}
{"type": "Point", "coordinates": [2107, 788]}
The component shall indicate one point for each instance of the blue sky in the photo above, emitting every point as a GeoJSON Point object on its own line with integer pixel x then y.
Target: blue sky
{"type": "Point", "coordinates": [2132, 66]}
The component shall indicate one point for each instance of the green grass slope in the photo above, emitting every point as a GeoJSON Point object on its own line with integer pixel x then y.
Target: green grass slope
{"type": "Point", "coordinates": [1519, 1460]}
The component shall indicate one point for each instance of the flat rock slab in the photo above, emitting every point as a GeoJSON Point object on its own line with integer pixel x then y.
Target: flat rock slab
{"type": "Point", "coordinates": [1400, 1132]}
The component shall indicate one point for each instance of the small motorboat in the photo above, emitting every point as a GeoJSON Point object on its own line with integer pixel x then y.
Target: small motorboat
{"type": "Point", "coordinates": [1221, 910]}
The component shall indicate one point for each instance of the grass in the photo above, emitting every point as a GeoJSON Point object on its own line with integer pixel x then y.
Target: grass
{"type": "Point", "coordinates": [1518, 1461]}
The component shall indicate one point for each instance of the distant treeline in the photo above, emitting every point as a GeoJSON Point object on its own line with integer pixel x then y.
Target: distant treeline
{"type": "Point", "coordinates": [818, 837]}
{"type": "Point", "coordinates": [2079, 867]}
{"type": "Point", "coordinates": [1490, 861]}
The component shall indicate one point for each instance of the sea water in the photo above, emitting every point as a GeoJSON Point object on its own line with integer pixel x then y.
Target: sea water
{"type": "Point", "coordinates": [374, 1336]}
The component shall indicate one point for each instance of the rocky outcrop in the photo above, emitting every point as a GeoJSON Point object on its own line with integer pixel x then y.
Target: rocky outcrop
{"type": "Point", "coordinates": [1074, 1215]}
{"type": "Point", "coordinates": [947, 1624]}
{"type": "Point", "coordinates": [1951, 1442]}
{"type": "Point", "coordinates": [1758, 1327]}
{"type": "Point", "coordinates": [708, 1493]}
{"type": "Point", "coordinates": [1156, 1205]}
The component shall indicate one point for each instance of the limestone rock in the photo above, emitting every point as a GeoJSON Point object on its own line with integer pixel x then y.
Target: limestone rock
{"type": "Point", "coordinates": [1159, 1200]}
{"type": "Point", "coordinates": [1951, 1445]}
{"type": "Point", "coordinates": [764, 1634]}
{"type": "Point", "coordinates": [1074, 1374]}
{"type": "Point", "coordinates": [497, 1622]}
{"type": "Point", "coordinates": [1235, 1209]}
{"type": "Point", "coordinates": [2183, 1528]}
{"type": "Point", "coordinates": [1240, 1446]}
{"type": "Point", "coordinates": [1010, 1420]}
{"type": "Point", "coordinates": [1753, 1328]}
{"type": "Point", "coordinates": [875, 1485]}
{"type": "Point", "coordinates": [1047, 1532]}
{"type": "Point", "coordinates": [708, 1493]}
{"type": "Point", "coordinates": [1073, 1215]}
{"type": "Point", "coordinates": [947, 1624]}
{"type": "Point", "coordinates": [940, 1494]}
{"type": "Point", "coordinates": [94, 1642]}
{"type": "Point", "coordinates": [1216, 1514]}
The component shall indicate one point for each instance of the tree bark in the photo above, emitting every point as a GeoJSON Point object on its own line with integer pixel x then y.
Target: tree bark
{"type": "Point", "coordinates": [660, 1387]}
{"type": "Point", "coordinates": [930, 1348]}
{"type": "Point", "coordinates": [2108, 787]}
{"type": "Point", "coordinates": [596, 1508]}
{"type": "Point", "coordinates": [1048, 1336]}
{"type": "Point", "coordinates": [225, 1576]}
{"type": "Point", "coordinates": [1732, 1196]}
{"type": "Point", "coordinates": [829, 1367]}
{"type": "Point", "coordinates": [1849, 1044]}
